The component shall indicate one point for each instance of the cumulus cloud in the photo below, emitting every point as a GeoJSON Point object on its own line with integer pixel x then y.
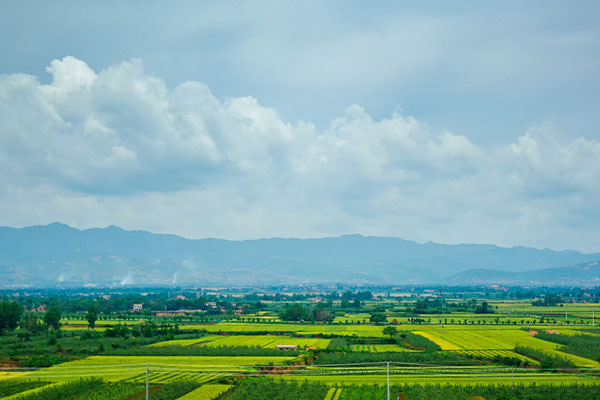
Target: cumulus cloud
{"type": "Point", "coordinates": [118, 147]}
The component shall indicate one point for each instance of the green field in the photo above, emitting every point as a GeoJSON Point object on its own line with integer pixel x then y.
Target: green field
{"type": "Point", "coordinates": [349, 330]}
{"type": "Point", "coordinates": [206, 392]}
{"type": "Point", "coordinates": [115, 368]}
{"type": "Point", "coordinates": [474, 338]}
{"type": "Point", "coordinates": [378, 348]}
{"type": "Point", "coordinates": [265, 341]}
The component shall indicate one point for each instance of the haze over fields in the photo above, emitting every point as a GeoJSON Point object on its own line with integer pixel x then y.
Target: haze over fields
{"type": "Point", "coordinates": [454, 123]}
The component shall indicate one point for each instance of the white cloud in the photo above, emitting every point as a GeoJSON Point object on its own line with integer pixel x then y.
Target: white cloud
{"type": "Point", "coordinates": [118, 147]}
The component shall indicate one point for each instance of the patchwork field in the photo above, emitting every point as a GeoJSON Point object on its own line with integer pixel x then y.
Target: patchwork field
{"type": "Point", "coordinates": [358, 330]}
{"type": "Point", "coordinates": [264, 341]}
{"type": "Point", "coordinates": [115, 368]}
{"type": "Point", "coordinates": [496, 339]}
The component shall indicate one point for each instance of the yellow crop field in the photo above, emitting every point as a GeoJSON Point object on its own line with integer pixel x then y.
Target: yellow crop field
{"type": "Point", "coordinates": [473, 338]}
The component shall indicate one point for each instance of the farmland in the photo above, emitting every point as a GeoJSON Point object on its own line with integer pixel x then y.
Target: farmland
{"type": "Point", "coordinates": [339, 353]}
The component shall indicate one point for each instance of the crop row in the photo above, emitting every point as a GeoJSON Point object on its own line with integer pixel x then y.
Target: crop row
{"type": "Point", "coordinates": [169, 377]}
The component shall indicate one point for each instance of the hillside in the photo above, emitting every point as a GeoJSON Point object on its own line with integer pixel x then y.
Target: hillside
{"type": "Point", "coordinates": [57, 254]}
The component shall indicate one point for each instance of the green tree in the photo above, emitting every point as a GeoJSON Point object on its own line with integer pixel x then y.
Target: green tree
{"type": "Point", "coordinates": [32, 323]}
{"type": "Point", "coordinates": [295, 312]}
{"type": "Point", "coordinates": [10, 314]}
{"type": "Point", "coordinates": [52, 317]}
{"type": "Point", "coordinates": [378, 318]}
{"type": "Point", "coordinates": [92, 316]}
{"type": "Point", "coordinates": [390, 331]}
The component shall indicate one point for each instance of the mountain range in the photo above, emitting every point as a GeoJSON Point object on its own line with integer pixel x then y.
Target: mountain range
{"type": "Point", "coordinates": [59, 255]}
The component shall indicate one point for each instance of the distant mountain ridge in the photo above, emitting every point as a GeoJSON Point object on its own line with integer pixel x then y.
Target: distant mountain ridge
{"type": "Point", "coordinates": [57, 254]}
{"type": "Point", "coordinates": [584, 274]}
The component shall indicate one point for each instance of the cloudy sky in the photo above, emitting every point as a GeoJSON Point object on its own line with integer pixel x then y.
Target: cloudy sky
{"type": "Point", "coordinates": [444, 121]}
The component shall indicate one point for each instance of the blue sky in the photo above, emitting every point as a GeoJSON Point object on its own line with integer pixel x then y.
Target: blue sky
{"type": "Point", "coordinates": [444, 121]}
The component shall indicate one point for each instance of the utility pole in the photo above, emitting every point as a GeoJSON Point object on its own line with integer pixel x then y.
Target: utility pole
{"type": "Point", "coordinates": [388, 380]}
{"type": "Point", "coordinates": [593, 315]}
{"type": "Point", "coordinates": [512, 374]}
{"type": "Point", "coordinates": [147, 373]}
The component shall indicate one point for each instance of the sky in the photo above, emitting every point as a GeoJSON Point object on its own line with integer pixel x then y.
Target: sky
{"type": "Point", "coordinates": [454, 122]}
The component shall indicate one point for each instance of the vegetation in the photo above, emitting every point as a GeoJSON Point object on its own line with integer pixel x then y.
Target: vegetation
{"type": "Point", "coordinates": [10, 314]}
{"type": "Point", "coordinates": [338, 344]}
{"type": "Point", "coordinates": [52, 317]}
{"type": "Point", "coordinates": [9, 387]}
{"type": "Point", "coordinates": [547, 361]}
{"type": "Point", "coordinates": [206, 392]}
{"type": "Point", "coordinates": [80, 389]}
{"type": "Point", "coordinates": [174, 390]}
{"type": "Point", "coordinates": [438, 358]}
{"type": "Point", "coordinates": [412, 341]}
{"type": "Point", "coordinates": [234, 330]}
{"type": "Point", "coordinates": [460, 392]}
{"type": "Point", "coordinates": [268, 389]}
{"type": "Point", "coordinates": [233, 351]}
{"type": "Point", "coordinates": [587, 346]}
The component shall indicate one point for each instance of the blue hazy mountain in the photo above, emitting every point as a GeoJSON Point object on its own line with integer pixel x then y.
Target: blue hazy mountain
{"type": "Point", "coordinates": [56, 254]}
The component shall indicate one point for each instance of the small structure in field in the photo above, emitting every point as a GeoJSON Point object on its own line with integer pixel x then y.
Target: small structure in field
{"type": "Point", "coordinates": [138, 307]}
{"type": "Point", "coordinates": [286, 346]}
{"type": "Point", "coordinates": [533, 332]}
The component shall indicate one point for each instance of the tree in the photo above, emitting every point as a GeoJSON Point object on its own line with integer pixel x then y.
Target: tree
{"type": "Point", "coordinates": [32, 322]}
{"type": "Point", "coordinates": [295, 312]}
{"type": "Point", "coordinates": [52, 317]}
{"type": "Point", "coordinates": [92, 316]}
{"type": "Point", "coordinates": [484, 308]}
{"type": "Point", "coordinates": [377, 318]}
{"type": "Point", "coordinates": [390, 331]}
{"type": "Point", "coordinates": [10, 314]}
{"type": "Point", "coordinates": [322, 314]}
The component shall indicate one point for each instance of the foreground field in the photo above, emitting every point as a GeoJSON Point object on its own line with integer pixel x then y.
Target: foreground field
{"type": "Point", "coordinates": [116, 368]}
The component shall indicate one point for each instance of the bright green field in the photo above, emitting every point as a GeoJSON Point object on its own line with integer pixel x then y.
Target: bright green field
{"type": "Point", "coordinates": [352, 317]}
{"type": "Point", "coordinates": [114, 368]}
{"type": "Point", "coordinates": [359, 330]}
{"type": "Point", "coordinates": [265, 341]}
{"type": "Point", "coordinates": [206, 392]}
{"type": "Point", "coordinates": [378, 348]}
{"type": "Point", "coordinates": [472, 338]}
